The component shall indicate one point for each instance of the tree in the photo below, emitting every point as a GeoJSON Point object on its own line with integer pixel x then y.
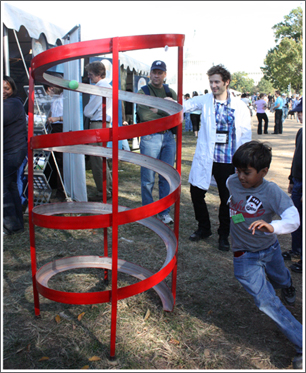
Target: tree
{"type": "Point", "coordinates": [241, 82]}
{"type": "Point", "coordinates": [292, 27]}
{"type": "Point", "coordinates": [264, 86]}
{"type": "Point", "coordinates": [284, 65]}
{"type": "Point", "coordinates": [284, 62]}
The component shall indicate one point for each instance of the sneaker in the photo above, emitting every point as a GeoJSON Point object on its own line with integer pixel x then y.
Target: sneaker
{"type": "Point", "coordinates": [287, 255]}
{"type": "Point", "coordinates": [288, 295]}
{"type": "Point", "coordinates": [199, 234]}
{"type": "Point", "coordinates": [297, 267]}
{"type": "Point", "coordinates": [297, 362]}
{"type": "Point", "coordinates": [166, 219]}
{"type": "Point", "coordinates": [223, 243]}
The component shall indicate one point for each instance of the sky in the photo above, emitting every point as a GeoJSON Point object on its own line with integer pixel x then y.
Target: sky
{"type": "Point", "coordinates": [237, 34]}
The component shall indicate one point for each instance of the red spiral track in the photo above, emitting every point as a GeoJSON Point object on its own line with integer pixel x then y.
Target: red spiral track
{"type": "Point", "coordinates": [105, 215]}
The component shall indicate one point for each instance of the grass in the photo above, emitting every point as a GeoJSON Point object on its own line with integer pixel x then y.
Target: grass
{"type": "Point", "coordinates": [214, 325]}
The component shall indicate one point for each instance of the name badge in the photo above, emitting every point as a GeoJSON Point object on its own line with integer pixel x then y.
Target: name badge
{"type": "Point", "coordinates": [221, 138]}
{"type": "Point", "coordinates": [238, 218]}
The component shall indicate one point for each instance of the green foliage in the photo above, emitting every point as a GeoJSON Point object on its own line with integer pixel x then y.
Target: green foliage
{"type": "Point", "coordinates": [292, 27]}
{"type": "Point", "coordinates": [264, 86]}
{"type": "Point", "coordinates": [241, 82]}
{"type": "Point", "coordinates": [284, 62]}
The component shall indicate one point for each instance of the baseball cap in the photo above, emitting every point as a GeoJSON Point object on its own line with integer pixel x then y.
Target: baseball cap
{"type": "Point", "coordinates": [284, 94]}
{"type": "Point", "coordinates": [299, 106]}
{"type": "Point", "coordinates": [159, 65]}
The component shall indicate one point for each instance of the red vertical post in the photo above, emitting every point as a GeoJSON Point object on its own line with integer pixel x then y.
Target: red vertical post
{"type": "Point", "coordinates": [178, 164]}
{"type": "Point", "coordinates": [104, 181]}
{"type": "Point", "coordinates": [114, 292]}
{"type": "Point", "coordinates": [30, 193]}
{"type": "Point", "coordinates": [104, 185]}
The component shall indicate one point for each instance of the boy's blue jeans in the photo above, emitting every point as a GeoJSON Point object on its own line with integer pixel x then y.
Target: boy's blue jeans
{"type": "Point", "coordinates": [250, 270]}
{"type": "Point", "coordinates": [162, 147]}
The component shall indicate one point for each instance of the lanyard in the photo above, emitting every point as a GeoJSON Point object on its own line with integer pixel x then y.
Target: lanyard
{"type": "Point", "coordinates": [226, 107]}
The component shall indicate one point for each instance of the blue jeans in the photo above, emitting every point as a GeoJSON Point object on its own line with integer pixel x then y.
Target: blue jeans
{"type": "Point", "coordinates": [296, 236]}
{"type": "Point", "coordinates": [22, 180]}
{"type": "Point", "coordinates": [12, 209]}
{"type": "Point", "coordinates": [125, 145]}
{"type": "Point", "coordinates": [162, 147]}
{"type": "Point", "coordinates": [188, 124]}
{"type": "Point", "coordinates": [250, 270]}
{"type": "Point", "coordinates": [285, 113]}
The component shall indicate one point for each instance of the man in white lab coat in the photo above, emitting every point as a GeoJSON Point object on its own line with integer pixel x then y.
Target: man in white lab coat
{"type": "Point", "coordinates": [225, 125]}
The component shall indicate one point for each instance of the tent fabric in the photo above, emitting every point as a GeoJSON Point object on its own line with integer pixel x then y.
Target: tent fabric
{"type": "Point", "coordinates": [14, 18]}
{"type": "Point", "coordinates": [74, 164]}
{"type": "Point", "coordinates": [129, 62]}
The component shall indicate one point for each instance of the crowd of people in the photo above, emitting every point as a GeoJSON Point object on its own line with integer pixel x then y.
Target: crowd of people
{"type": "Point", "coordinates": [224, 150]}
{"type": "Point", "coordinates": [258, 103]}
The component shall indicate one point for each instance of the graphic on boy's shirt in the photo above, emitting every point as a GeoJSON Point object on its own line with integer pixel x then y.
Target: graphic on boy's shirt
{"type": "Point", "coordinates": [250, 209]}
{"type": "Point", "coordinates": [252, 205]}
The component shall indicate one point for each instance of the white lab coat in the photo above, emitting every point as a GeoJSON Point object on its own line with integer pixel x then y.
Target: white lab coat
{"type": "Point", "coordinates": [201, 168]}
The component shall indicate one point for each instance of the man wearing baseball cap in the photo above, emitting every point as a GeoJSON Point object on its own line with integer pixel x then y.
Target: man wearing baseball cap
{"type": "Point", "coordinates": [159, 145]}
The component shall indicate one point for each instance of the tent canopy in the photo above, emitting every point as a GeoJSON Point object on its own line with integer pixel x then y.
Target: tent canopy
{"type": "Point", "coordinates": [129, 62]}
{"type": "Point", "coordinates": [14, 18]}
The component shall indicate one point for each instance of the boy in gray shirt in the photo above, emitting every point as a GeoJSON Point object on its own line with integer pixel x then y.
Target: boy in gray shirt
{"type": "Point", "coordinates": [253, 202]}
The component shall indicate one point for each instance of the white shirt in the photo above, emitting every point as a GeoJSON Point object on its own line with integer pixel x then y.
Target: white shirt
{"type": "Point", "coordinates": [245, 100]}
{"type": "Point", "coordinates": [93, 110]}
{"type": "Point", "coordinates": [201, 168]}
{"type": "Point", "coordinates": [57, 107]}
{"type": "Point", "coordinates": [290, 221]}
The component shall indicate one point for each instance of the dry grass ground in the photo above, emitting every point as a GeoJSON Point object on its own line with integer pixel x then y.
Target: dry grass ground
{"type": "Point", "coordinates": [214, 325]}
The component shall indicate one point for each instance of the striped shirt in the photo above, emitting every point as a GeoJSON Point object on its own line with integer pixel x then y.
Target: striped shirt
{"type": "Point", "coordinates": [225, 122]}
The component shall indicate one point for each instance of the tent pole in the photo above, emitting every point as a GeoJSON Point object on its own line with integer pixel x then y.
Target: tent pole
{"type": "Point", "coordinates": [6, 52]}
{"type": "Point", "coordinates": [21, 54]}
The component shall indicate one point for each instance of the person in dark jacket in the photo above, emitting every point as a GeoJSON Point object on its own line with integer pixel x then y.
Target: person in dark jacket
{"type": "Point", "coordinates": [295, 188]}
{"type": "Point", "coordinates": [14, 152]}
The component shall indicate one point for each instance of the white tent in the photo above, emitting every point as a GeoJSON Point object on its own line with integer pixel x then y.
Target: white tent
{"type": "Point", "coordinates": [35, 36]}
{"type": "Point", "coordinates": [130, 62]}
{"type": "Point", "coordinates": [14, 18]}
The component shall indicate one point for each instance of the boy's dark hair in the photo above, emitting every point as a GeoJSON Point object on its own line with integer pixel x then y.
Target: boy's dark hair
{"type": "Point", "coordinates": [221, 70]}
{"type": "Point", "coordinates": [12, 84]}
{"type": "Point", "coordinates": [253, 154]}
